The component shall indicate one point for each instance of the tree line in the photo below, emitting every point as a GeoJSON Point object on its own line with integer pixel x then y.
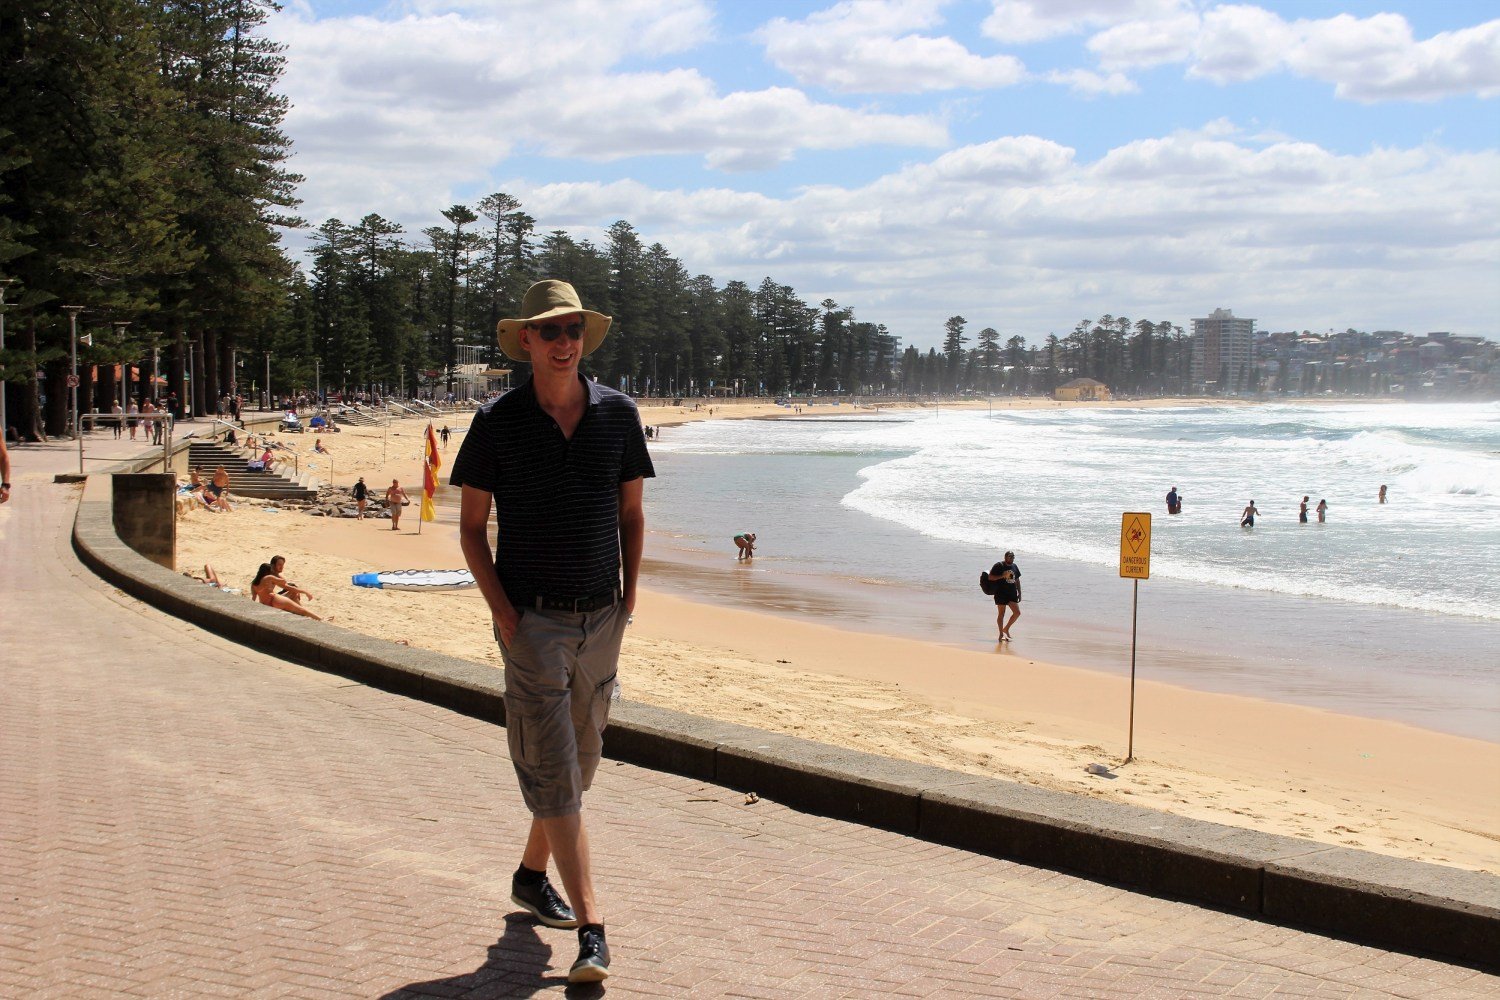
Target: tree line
{"type": "Point", "coordinates": [144, 180]}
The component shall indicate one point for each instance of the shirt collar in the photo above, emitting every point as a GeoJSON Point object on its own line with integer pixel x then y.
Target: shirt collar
{"type": "Point", "coordinates": [591, 390]}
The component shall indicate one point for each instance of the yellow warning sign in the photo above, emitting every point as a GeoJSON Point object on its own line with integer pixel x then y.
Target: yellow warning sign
{"type": "Point", "coordinates": [1135, 546]}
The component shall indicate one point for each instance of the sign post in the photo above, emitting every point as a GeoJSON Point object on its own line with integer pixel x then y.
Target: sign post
{"type": "Point", "coordinates": [1135, 564]}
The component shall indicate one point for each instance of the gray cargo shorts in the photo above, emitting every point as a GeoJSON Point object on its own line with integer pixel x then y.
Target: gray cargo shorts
{"type": "Point", "coordinates": [559, 675]}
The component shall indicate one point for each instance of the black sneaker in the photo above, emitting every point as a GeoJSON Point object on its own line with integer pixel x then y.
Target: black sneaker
{"type": "Point", "coordinates": [593, 957]}
{"type": "Point", "coordinates": [542, 902]}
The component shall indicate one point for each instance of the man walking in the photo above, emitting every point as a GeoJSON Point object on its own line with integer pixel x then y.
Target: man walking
{"type": "Point", "coordinates": [563, 462]}
{"type": "Point", "coordinates": [1006, 576]}
{"type": "Point", "coordinates": [395, 499]}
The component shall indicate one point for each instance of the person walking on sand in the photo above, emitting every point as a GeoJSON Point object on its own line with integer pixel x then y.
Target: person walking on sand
{"type": "Point", "coordinates": [1006, 576]}
{"type": "Point", "coordinates": [563, 463]}
{"type": "Point", "coordinates": [1382, 493]}
{"type": "Point", "coordinates": [444, 435]}
{"type": "Point", "coordinates": [1322, 511]}
{"type": "Point", "coordinates": [745, 542]}
{"type": "Point", "coordinates": [4, 470]}
{"type": "Point", "coordinates": [1174, 502]}
{"type": "Point", "coordinates": [1247, 516]}
{"type": "Point", "coordinates": [1302, 512]}
{"type": "Point", "coordinates": [361, 496]}
{"type": "Point", "coordinates": [395, 499]}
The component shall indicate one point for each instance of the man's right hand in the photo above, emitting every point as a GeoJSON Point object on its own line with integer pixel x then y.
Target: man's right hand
{"type": "Point", "coordinates": [506, 623]}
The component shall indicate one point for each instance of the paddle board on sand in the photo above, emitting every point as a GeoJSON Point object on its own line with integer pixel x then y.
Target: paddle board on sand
{"type": "Point", "coordinates": [416, 579]}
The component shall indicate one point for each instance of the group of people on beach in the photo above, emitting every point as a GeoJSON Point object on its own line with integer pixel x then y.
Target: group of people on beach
{"type": "Point", "coordinates": [395, 500]}
{"type": "Point", "coordinates": [1251, 512]}
{"type": "Point", "coordinates": [271, 588]}
{"type": "Point", "coordinates": [212, 494]}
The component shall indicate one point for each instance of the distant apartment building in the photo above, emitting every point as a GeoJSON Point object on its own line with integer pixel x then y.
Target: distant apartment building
{"type": "Point", "coordinates": [1223, 351]}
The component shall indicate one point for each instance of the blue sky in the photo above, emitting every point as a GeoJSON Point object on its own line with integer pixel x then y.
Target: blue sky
{"type": "Point", "coordinates": [1024, 163]}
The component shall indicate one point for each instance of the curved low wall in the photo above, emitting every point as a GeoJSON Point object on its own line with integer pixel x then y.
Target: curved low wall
{"type": "Point", "coordinates": [1407, 905]}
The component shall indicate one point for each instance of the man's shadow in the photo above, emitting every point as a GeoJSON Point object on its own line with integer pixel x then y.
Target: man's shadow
{"type": "Point", "coordinates": [516, 966]}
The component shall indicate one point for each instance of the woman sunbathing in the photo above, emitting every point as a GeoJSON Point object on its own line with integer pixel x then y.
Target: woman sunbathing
{"type": "Point", "coordinates": [263, 589]}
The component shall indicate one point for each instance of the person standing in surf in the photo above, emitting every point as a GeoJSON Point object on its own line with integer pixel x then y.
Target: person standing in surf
{"type": "Point", "coordinates": [1302, 512]}
{"type": "Point", "coordinates": [1174, 502]}
{"type": "Point", "coordinates": [1247, 516]}
{"type": "Point", "coordinates": [1322, 511]}
{"type": "Point", "coordinates": [562, 461]}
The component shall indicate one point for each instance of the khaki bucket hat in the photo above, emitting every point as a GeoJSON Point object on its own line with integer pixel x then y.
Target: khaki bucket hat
{"type": "Point", "coordinates": [542, 301]}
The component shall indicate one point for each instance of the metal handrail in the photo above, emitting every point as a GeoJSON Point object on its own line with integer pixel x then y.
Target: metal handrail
{"type": "Point", "coordinates": [95, 417]}
{"type": "Point", "coordinates": [406, 408]}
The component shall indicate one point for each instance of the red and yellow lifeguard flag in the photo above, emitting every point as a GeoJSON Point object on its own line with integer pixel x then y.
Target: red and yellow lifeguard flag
{"type": "Point", "coordinates": [432, 461]}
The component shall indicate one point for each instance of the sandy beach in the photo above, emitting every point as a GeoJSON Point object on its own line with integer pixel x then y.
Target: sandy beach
{"type": "Point", "coordinates": [1378, 785]}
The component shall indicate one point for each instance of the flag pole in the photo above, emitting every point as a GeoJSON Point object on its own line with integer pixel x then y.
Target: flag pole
{"type": "Point", "coordinates": [422, 503]}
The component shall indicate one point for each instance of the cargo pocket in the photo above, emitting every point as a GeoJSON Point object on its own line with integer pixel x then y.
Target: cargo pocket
{"type": "Point", "coordinates": [523, 725]}
{"type": "Point", "coordinates": [603, 696]}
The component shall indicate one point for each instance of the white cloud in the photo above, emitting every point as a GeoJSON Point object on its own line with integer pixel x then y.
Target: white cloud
{"type": "Point", "coordinates": [1020, 234]}
{"type": "Point", "coordinates": [1238, 43]}
{"type": "Point", "coordinates": [866, 46]}
{"type": "Point", "coordinates": [449, 94]}
{"type": "Point", "coordinates": [1087, 83]}
{"type": "Point", "coordinates": [1366, 59]}
{"type": "Point", "coordinates": [1016, 21]}
{"type": "Point", "coordinates": [1145, 43]}
{"type": "Point", "coordinates": [1377, 59]}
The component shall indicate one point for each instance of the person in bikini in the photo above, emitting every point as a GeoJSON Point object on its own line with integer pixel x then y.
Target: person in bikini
{"type": "Point", "coordinates": [265, 586]}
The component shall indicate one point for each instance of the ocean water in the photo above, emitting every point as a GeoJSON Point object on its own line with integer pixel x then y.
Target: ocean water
{"type": "Point", "coordinates": [883, 522]}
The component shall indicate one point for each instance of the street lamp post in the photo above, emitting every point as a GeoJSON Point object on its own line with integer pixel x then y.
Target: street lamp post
{"type": "Point", "coordinates": [73, 312]}
{"type": "Point", "coordinates": [268, 380]}
{"type": "Point", "coordinates": [318, 383]}
{"type": "Point", "coordinates": [120, 326]}
{"type": "Point", "coordinates": [5, 284]}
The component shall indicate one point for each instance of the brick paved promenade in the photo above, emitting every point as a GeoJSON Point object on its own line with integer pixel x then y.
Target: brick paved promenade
{"type": "Point", "coordinates": [183, 817]}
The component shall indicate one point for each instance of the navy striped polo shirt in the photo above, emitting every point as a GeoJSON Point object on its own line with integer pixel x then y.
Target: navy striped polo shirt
{"type": "Point", "coordinates": [557, 502]}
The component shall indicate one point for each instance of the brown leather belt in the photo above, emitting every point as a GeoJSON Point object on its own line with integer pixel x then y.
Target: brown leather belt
{"type": "Point", "coordinates": [575, 605]}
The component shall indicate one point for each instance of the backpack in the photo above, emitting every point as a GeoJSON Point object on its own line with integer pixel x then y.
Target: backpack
{"type": "Point", "coordinates": [986, 584]}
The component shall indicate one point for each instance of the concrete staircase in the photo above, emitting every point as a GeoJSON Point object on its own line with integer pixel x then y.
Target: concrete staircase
{"type": "Point", "coordinates": [207, 456]}
{"type": "Point", "coordinates": [352, 418]}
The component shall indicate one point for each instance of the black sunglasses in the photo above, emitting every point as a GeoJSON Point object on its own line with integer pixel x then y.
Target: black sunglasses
{"type": "Point", "coordinates": [551, 331]}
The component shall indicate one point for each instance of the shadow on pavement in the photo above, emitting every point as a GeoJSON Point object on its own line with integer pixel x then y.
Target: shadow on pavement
{"type": "Point", "coordinates": [516, 966]}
